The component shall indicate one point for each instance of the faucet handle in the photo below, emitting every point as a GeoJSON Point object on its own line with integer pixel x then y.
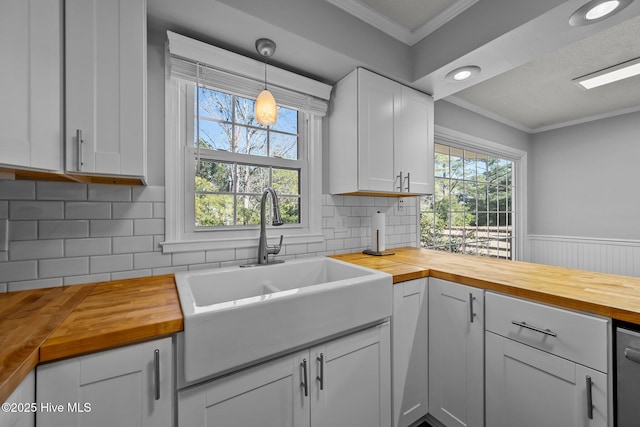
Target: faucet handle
{"type": "Point", "coordinates": [278, 246]}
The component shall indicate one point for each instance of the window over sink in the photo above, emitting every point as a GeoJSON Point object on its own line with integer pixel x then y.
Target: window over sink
{"type": "Point", "coordinates": [218, 159]}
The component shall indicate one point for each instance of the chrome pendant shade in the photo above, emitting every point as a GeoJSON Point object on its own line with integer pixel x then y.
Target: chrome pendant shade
{"type": "Point", "coordinates": [266, 109]}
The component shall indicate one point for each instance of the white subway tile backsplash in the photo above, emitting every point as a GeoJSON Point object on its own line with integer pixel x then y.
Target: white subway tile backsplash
{"type": "Point", "coordinates": [50, 190]}
{"type": "Point", "coordinates": [36, 249]}
{"type": "Point", "coordinates": [186, 258]}
{"type": "Point", "coordinates": [87, 210]}
{"type": "Point", "coordinates": [67, 233]}
{"type": "Point", "coordinates": [63, 229]}
{"type": "Point", "coordinates": [12, 271]}
{"type": "Point", "coordinates": [151, 260]}
{"type": "Point", "coordinates": [87, 247]}
{"type": "Point", "coordinates": [220, 255]}
{"type": "Point", "coordinates": [109, 263]}
{"type": "Point", "coordinates": [63, 267]}
{"type": "Point", "coordinates": [22, 210]}
{"type": "Point", "coordinates": [109, 193]}
{"type": "Point", "coordinates": [23, 230]}
{"type": "Point", "coordinates": [34, 284]}
{"type": "Point", "coordinates": [132, 210]}
{"type": "Point", "coordinates": [17, 190]}
{"type": "Point", "coordinates": [148, 226]}
{"type": "Point", "coordinates": [132, 244]}
{"type": "Point", "coordinates": [147, 194]}
{"type": "Point", "coordinates": [89, 278]}
{"type": "Point", "coordinates": [121, 275]}
{"type": "Point", "coordinates": [111, 227]}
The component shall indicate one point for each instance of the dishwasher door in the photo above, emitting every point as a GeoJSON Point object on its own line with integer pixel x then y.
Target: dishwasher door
{"type": "Point", "coordinates": [628, 377]}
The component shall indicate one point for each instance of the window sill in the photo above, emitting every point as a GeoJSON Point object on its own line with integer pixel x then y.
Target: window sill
{"type": "Point", "coordinates": [235, 243]}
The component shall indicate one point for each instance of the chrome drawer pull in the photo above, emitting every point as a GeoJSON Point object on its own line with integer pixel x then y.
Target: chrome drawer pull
{"type": "Point", "coordinates": [589, 398]}
{"type": "Point", "coordinates": [320, 378]}
{"type": "Point", "coordinates": [304, 384]}
{"type": "Point", "coordinates": [156, 373]}
{"type": "Point", "coordinates": [632, 354]}
{"type": "Point", "coordinates": [535, 328]}
{"type": "Point", "coordinates": [471, 313]}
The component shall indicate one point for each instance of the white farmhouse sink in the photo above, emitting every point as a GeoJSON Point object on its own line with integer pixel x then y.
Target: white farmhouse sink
{"type": "Point", "coordinates": [236, 316]}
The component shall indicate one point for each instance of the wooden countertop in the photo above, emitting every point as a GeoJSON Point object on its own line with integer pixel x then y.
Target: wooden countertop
{"type": "Point", "coordinates": [607, 295]}
{"type": "Point", "coordinates": [48, 324]}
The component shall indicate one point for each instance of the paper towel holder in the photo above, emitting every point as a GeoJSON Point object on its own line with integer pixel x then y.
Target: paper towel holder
{"type": "Point", "coordinates": [377, 252]}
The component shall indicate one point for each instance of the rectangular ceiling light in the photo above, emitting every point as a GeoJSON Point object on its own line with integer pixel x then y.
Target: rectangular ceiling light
{"type": "Point", "coordinates": [610, 75]}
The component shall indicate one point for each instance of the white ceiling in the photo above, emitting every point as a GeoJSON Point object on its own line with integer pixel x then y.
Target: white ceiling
{"type": "Point", "coordinates": [528, 52]}
{"type": "Point", "coordinates": [406, 20]}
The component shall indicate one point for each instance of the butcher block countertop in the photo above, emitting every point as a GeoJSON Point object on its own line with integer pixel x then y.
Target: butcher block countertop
{"type": "Point", "coordinates": [42, 325]}
{"type": "Point", "coordinates": [607, 295]}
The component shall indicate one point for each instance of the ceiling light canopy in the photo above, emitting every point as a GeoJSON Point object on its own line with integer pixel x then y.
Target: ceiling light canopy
{"type": "Point", "coordinates": [266, 109]}
{"type": "Point", "coordinates": [596, 11]}
{"type": "Point", "coordinates": [610, 75]}
{"type": "Point", "coordinates": [463, 73]}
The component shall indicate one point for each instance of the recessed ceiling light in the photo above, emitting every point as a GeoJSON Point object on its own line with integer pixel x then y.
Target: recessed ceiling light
{"type": "Point", "coordinates": [596, 11]}
{"type": "Point", "coordinates": [610, 75]}
{"type": "Point", "coordinates": [463, 73]}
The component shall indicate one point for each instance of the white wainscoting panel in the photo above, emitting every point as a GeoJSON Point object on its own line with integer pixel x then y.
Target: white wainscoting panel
{"type": "Point", "coordinates": [615, 256]}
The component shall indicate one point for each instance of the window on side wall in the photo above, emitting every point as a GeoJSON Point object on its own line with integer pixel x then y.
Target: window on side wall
{"type": "Point", "coordinates": [472, 210]}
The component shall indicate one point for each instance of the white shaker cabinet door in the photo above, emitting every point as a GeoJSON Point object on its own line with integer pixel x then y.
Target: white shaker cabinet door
{"type": "Point", "coordinates": [351, 380]}
{"type": "Point", "coordinates": [527, 387]}
{"type": "Point", "coordinates": [456, 353]}
{"type": "Point", "coordinates": [31, 84]}
{"type": "Point", "coordinates": [410, 352]}
{"type": "Point", "coordinates": [267, 395]}
{"type": "Point", "coordinates": [105, 54]}
{"type": "Point", "coordinates": [128, 386]}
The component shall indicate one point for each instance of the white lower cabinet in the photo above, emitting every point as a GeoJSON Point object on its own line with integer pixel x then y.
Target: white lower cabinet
{"type": "Point", "coordinates": [19, 410]}
{"type": "Point", "coordinates": [527, 387]}
{"type": "Point", "coordinates": [410, 369]}
{"type": "Point", "coordinates": [545, 366]}
{"type": "Point", "coordinates": [344, 382]}
{"type": "Point", "coordinates": [456, 353]}
{"type": "Point", "coordinates": [127, 386]}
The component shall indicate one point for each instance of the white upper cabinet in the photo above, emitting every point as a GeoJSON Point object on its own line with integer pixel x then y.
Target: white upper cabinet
{"type": "Point", "coordinates": [105, 87]}
{"type": "Point", "coordinates": [380, 137]}
{"type": "Point", "coordinates": [31, 84]}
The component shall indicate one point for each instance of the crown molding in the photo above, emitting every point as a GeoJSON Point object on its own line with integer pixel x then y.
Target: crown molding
{"type": "Point", "coordinates": [396, 30]}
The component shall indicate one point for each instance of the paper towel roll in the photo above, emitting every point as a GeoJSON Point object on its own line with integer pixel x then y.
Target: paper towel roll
{"type": "Point", "coordinates": [378, 232]}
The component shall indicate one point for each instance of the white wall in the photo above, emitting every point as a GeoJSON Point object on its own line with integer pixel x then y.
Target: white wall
{"type": "Point", "coordinates": [583, 201]}
{"type": "Point", "coordinates": [585, 180]}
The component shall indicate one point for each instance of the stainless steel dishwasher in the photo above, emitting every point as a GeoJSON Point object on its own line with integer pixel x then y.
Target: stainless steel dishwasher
{"type": "Point", "coordinates": [627, 377]}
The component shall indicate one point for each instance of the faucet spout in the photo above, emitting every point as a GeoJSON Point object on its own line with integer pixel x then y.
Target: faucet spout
{"type": "Point", "coordinates": [276, 219]}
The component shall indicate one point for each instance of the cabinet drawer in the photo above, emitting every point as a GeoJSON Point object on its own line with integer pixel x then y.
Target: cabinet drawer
{"type": "Point", "coordinates": [581, 338]}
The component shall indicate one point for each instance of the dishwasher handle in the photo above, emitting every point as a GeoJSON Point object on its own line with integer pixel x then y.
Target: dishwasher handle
{"type": "Point", "coordinates": [632, 354]}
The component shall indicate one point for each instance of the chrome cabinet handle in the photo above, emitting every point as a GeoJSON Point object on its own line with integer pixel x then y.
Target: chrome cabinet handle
{"type": "Point", "coordinates": [471, 313]}
{"type": "Point", "coordinates": [400, 182]}
{"type": "Point", "coordinates": [535, 328]}
{"type": "Point", "coordinates": [304, 384]}
{"type": "Point", "coordinates": [632, 354]}
{"type": "Point", "coordinates": [589, 398]}
{"type": "Point", "coordinates": [408, 183]}
{"type": "Point", "coordinates": [321, 376]}
{"type": "Point", "coordinates": [79, 141]}
{"type": "Point", "coordinates": [156, 372]}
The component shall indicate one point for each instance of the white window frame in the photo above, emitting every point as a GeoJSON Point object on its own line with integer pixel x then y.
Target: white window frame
{"type": "Point", "coordinates": [465, 141]}
{"type": "Point", "coordinates": [179, 234]}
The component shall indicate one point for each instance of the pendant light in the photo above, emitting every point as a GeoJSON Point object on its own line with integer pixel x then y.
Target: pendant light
{"type": "Point", "coordinates": [266, 109]}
